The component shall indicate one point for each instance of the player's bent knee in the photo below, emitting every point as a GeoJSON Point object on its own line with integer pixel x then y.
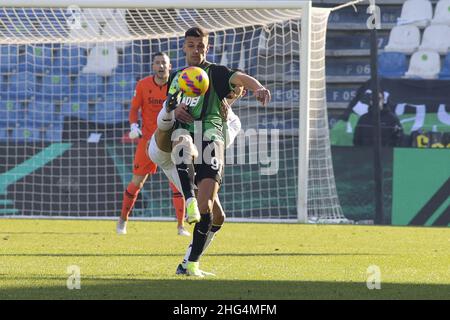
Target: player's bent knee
{"type": "Point", "coordinates": [218, 213]}
{"type": "Point", "coordinates": [205, 223]}
{"type": "Point", "coordinates": [206, 206]}
{"type": "Point", "coordinates": [219, 219]}
{"type": "Point", "coordinates": [158, 156]}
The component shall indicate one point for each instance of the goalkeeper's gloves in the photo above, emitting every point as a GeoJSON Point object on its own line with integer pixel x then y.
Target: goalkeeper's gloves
{"type": "Point", "coordinates": [135, 131]}
{"type": "Point", "coordinates": [172, 101]}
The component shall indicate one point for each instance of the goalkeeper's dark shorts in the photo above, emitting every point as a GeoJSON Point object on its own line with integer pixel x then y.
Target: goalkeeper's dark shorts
{"type": "Point", "coordinates": [213, 160]}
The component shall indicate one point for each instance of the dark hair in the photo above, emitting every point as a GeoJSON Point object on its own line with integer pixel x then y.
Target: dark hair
{"type": "Point", "coordinates": [163, 54]}
{"type": "Point", "coordinates": [197, 32]}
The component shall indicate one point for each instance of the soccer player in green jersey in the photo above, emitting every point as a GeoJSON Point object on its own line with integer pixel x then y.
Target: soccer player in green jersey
{"type": "Point", "coordinates": [205, 111]}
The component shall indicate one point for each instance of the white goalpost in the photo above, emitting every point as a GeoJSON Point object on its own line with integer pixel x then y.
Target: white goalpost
{"type": "Point", "coordinates": [67, 75]}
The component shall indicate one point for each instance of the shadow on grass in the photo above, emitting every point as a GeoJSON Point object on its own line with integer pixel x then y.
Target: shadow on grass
{"type": "Point", "coordinates": [264, 254]}
{"type": "Point", "coordinates": [6, 233]}
{"type": "Point", "coordinates": [218, 289]}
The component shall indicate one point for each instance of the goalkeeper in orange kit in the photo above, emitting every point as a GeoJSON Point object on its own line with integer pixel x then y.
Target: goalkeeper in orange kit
{"type": "Point", "coordinates": [148, 97]}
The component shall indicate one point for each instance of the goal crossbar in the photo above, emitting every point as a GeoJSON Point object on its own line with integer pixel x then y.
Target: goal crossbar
{"type": "Point", "coordinates": [170, 4]}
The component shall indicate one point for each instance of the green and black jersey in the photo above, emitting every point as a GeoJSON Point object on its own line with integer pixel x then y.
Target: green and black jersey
{"type": "Point", "coordinates": [206, 108]}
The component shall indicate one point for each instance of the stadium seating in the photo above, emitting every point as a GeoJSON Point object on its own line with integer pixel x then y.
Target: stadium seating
{"type": "Point", "coordinates": [87, 29]}
{"type": "Point", "coordinates": [3, 85]}
{"type": "Point", "coordinates": [54, 132]}
{"type": "Point", "coordinates": [436, 38]}
{"type": "Point", "coordinates": [8, 58]}
{"type": "Point", "coordinates": [88, 86]}
{"type": "Point", "coordinates": [118, 25]}
{"type": "Point", "coordinates": [442, 13]}
{"type": "Point", "coordinates": [292, 68]}
{"type": "Point", "coordinates": [109, 113]}
{"type": "Point", "coordinates": [349, 17]}
{"type": "Point", "coordinates": [417, 12]}
{"type": "Point", "coordinates": [55, 86]}
{"type": "Point", "coordinates": [24, 13]}
{"type": "Point", "coordinates": [445, 72]}
{"type": "Point", "coordinates": [179, 62]}
{"type": "Point", "coordinates": [76, 109]}
{"type": "Point", "coordinates": [121, 86]}
{"type": "Point", "coordinates": [122, 83]}
{"type": "Point", "coordinates": [285, 94]}
{"type": "Point", "coordinates": [130, 60]}
{"type": "Point", "coordinates": [102, 60]}
{"type": "Point", "coordinates": [10, 113]}
{"type": "Point", "coordinates": [39, 59]}
{"type": "Point", "coordinates": [26, 134]}
{"type": "Point", "coordinates": [358, 41]}
{"type": "Point", "coordinates": [55, 23]}
{"type": "Point", "coordinates": [72, 59]}
{"type": "Point", "coordinates": [405, 39]}
{"type": "Point", "coordinates": [425, 65]}
{"type": "Point", "coordinates": [392, 64]}
{"type": "Point", "coordinates": [40, 114]}
{"type": "Point", "coordinates": [21, 85]}
{"type": "Point", "coordinates": [277, 122]}
{"type": "Point", "coordinates": [4, 134]}
{"type": "Point", "coordinates": [99, 15]}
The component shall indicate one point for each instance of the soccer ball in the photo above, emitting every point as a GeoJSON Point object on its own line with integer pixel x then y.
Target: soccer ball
{"type": "Point", "coordinates": [193, 81]}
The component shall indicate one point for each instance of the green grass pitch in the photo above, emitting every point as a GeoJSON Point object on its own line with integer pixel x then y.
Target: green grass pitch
{"type": "Point", "coordinates": [251, 260]}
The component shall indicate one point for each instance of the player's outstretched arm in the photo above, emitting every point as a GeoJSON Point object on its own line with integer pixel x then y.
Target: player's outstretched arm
{"type": "Point", "coordinates": [261, 93]}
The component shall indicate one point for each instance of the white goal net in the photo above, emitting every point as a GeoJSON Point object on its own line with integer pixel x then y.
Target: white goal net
{"type": "Point", "coordinates": [67, 79]}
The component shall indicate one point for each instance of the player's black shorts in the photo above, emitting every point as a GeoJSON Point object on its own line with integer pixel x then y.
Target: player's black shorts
{"type": "Point", "coordinates": [213, 160]}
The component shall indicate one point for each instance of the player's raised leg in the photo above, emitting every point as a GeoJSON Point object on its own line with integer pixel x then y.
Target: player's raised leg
{"type": "Point", "coordinates": [183, 154]}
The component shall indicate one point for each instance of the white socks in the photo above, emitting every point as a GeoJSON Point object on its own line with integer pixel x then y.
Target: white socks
{"type": "Point", "coordinates": [165, 119]}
